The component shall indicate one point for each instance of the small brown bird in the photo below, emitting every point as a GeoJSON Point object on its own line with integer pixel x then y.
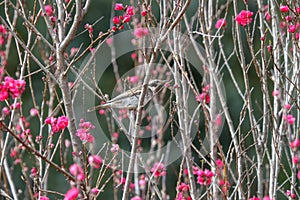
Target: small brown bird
{"type": "Point", "coordinates": [130, 98]}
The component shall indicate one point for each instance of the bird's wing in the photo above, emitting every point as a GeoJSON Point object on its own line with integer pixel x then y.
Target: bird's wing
{"type": "Point", "coordinates": [124, 94]}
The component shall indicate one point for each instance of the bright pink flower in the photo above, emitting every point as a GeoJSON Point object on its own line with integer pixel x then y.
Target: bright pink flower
{"type": "Point", "coordinates": [43, 198]}
{"type": "Point", "coordinates": [267, 16]}
{"type": "Point", "coordinates": [183, 187]}
{"type": "Point", "coordinates": [291, 28]}
{"type": "Point", "coordinates": [33, 172]}
{"type": "Point", "coordinates": [144, 13]}
{"type": "Point", "coordinates": [13, 153]}
{"type": "Point", "coordinates": [119, 6]}
{"type": "Point", "coordinates": [267, 198]}
{"type": "Point", "coordinates": [295, 160]}
{"type": "Point", "coordinates": [204, 177]}
{"type": "Point", "coordinates": [295, 144]}
{"type": "Point", "coordinates": [48, 10]}
{"type": "Point", "coordinates": [218, 120]}
{"type": "Point", "coordinates": [288, 18]}
{"type": "Point", "coordinates": [2, 40]}
{"type": "Point", "coordinates": [244, 17]}
{"type": "Point", "coordinates": [287, 106]}
{"type": "Point", "coordinates": [89, 28]}
{"type": "Point", "coordinates": [219, 163]}
{"type": "Point", "coordinates": [158, 169]}
{"type": "Point", "coordinates": [101, 111]}
{"type": "Point", "coordinates": [298, 10]}
{"type": "Point", "coordinates": [5, 110]}
{"type": "Point", "coordinates": [298, 175]}
{"type": "Point", "coordinates": [72, 194]}
{"type": "Point", "coordinates": [289, 118]}
{"type": "Point", "coordinates": [95, 161]}
{"type": "Point", "coordinates": [220, 23]}
{"type": "Point", "coordinates": [83, 131]}
{"type": "Point", "coordinates": [62, 122]}
{"type": "Point", "coordinates": [126, 19]}
{"type": "Point", "coordinates": [130, 10]}
{"type": "Point", "coordinates": [116, 20]}
{"type": "Point", "coordinates": [284, 9]}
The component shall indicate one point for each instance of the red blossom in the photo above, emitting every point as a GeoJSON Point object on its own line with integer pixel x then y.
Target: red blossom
{"type": "Point", "coordinates": [48, 10]}
{"type": "Point", "coordinates": [158, 169]}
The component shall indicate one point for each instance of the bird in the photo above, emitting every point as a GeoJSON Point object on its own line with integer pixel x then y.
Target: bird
{"type": "Point", "coordinates": [130, 98]}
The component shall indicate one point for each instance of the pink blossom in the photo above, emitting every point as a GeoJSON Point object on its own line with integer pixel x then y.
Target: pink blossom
{"type": "Point", "coordinates": [62, 122]}
{"type": "Point", "coordinates": [95, 191]}
{"type": "Point", "coordinates": [2, 40]}
{"type": "Point", "coordinates": [115, 148]}
{"type": "Point", "coordinates": [95, 161]}
{"type": "Point", "coordinates": [101, 111]}
{"type": "Point", "coordinates": [295, 144]}
{"type": "Point", "coordinates": [130, 10]}
{"type": "Point", "coordinates": [244, 17]}
{"type": "Point", "coordinates": [136, 198]}
{"type": "Point", "coordinates": [218, 120]}
{"type": "Point", "coordinates": [204, 176]}
{"type": "Point", "coordinates": [291, 28]}
{"type": "Point", "coordinates": [289, 118]}
{"type": "Point", "coordinates": [89, 28]}
{"type": "Point", "coordinates": [288, 18]}
{"type": "Point", "coordinates": [76, 171]}
{"type": "Point", "coordinates": [158, 169]}
{"type": "Point", "coordinates": [43, 198]}
{"type": "Point", "coordinates": [298, 175]}
{"type": "Point", "coordinates": [48, 10]}
{"type": "Point", "coordinates": [284, 9]}
{"type": "Point", "coordinates": [220, 23]}
{"type": "Point", "coordinates": [267, 198]}
{"type": "Point", "coordinates": [72, 194]}
{"type": "Point", "coordinates": [33, 172]}
{"type": "Point", "coordinates": [219, 163]}
{"type": "Point", "coordinates": [126, 19]}
{"type": "Point", "coordinates": [298, 10]}
{"type": "Point", "coordinates": [140, 32]}
{"type": "Point", "coordinates": [5, 110]}
{"type": "Point", "coordinates": [287, 106]}
{"type": "Point", "coordinates": [295, 160]}
{"type": "Point", "coordinates": [133, 79]}
{"type": "Point", "coordinates": [34, 112]}
{"type": "Point", "coordinates": [116, 20]}
{"type": "Point", "coordinates": [119, 6]}
{"type": "Point", "coordinates": [109, 41]}
{"type": "Point", "coordinates": [267, 16]}
{"type": "Point", "coordinates": [275, 93]}
{"type": "Point", "coordinates": [84, 131]}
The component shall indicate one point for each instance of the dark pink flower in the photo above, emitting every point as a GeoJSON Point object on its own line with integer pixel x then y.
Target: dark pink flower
{"type": "Point", "coordinates": [244, 17]}
{"type": "Point", "coordinates": [77, 171]}
{"type": "Point", "coordinates": [158, 169]}
{"type": "Point", "coordinates": [220, 23]}
{"type": "Point", "coordinates": [119, 6]}
{"type": "Point", "coordinates": [267, 16]}
{"type": "Point", "coordinates": [126, 19]}
{"type": "Point", "coordinates": [292, 28]}
{"type": "Point", "coordinates": [284, 9]}
{"type": "Point", "coordinates": [72, 194]}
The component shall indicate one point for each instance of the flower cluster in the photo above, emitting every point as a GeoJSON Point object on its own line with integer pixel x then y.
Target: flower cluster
{"type": "Point", "coordinates": [77, 171]}
{"type": "Point", "coordinates": [183, 192]}
{"type": "Point", "coordinates": [84, 132]}
{"type": "Point", "coordinates": [120, 20]}
{"type": "Point", "coordinates": [57, 124]}
{"type": "Point", "coordinates": [11, 87]}
{"type": "Point", "coordinates": [3, 34]}
{"type": "Point", "coordinates": [204, 95]}
{"type": "Point", "coordinates": [95, 161]}
{"type": "Point", "coordinates": [50, 13]}
{"type": "Point", "coordinates": [158, 170]}
{"type": "Point", "coordinates": [244, 17]}
{"type": "Point", "coordinates": [204, 176]}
